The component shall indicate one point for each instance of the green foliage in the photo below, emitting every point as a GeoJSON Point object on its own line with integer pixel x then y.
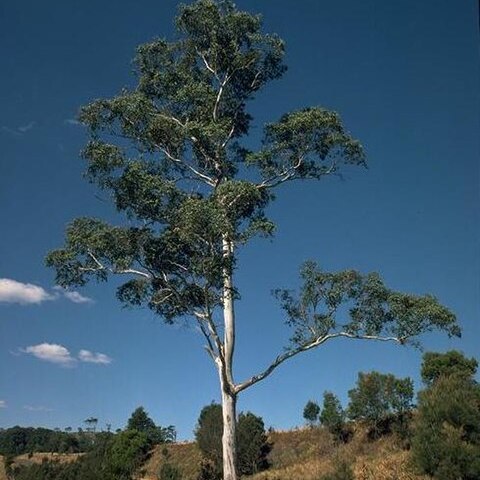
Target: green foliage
{"type": "Point", "coordinates": [333, 416]}
{"type": "Point", "coordinates": [169, 152]}
{"type": "Point", "coordinates": [375, 311]}
{"type": "Point", "coordinates": [436, 365]}
{"type": "Point", "coordinates": [112, 457]}
{"type": "Point", "coordinates": [379, 398]}
{"type": "Point", "coordinates": [311, 412]}
{"type": "Point", "coordinates": [141, 422]}
{"type": "Point", "coordinates": [127, 452]}
{"type": "Point", "coordinates": [208, 435]}
{"type": "Point", "coordinates": [252, 442]}
{"type": "Point", "coordinates": [446, 442]}
{"type": "Point", "coordinates": [19, 440]}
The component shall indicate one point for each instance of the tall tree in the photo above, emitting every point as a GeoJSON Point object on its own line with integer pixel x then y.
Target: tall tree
{"type": "Point", "coordinates": [169, 152]}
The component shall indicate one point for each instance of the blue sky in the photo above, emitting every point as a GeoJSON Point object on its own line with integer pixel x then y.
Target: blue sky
{"type": "Point", "coordinates": [405, 78]}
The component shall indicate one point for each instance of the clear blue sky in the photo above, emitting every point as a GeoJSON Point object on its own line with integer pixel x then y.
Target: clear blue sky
{"type": "Point", "coordinates": [405, 78]}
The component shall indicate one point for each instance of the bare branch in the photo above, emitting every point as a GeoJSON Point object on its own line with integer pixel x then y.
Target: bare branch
{"type": "Point", "coordinates": [126, 271]}
{"type": "Point", "coordinates": [305, 347]}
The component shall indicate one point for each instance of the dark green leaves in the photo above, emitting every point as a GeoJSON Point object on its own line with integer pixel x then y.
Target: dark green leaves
{"type": "Point", "coordinates": [308, 143]}
{"type": "Point", "coordinates": [169, 153]}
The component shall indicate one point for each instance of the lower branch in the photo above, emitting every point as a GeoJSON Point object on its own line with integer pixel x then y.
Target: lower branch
{"type": "Point", "coordinates": [305, 347]}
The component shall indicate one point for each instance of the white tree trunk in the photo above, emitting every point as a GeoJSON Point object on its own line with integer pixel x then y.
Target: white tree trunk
{"type": "Point", "coordinates": [229, 400]}
{"type": "Point", "coordinates": [229, 441]}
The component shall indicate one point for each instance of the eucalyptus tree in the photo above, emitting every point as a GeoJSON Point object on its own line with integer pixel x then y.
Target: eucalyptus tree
{"type": "Point", "coordinates": [170, 153]}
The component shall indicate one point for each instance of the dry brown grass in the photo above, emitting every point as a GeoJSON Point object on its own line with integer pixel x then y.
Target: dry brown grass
{"type": "Point", "coordinates": [304, 454]}
{"type": "Point", "coordinates": [3, 475]}
{"type": "Point", "coordinates": [185, 456]}
{"type": "Point", "coordinates": [28, 459]}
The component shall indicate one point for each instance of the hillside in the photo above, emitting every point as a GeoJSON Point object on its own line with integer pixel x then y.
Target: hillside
{"type": "Point", "coordinates": [304, 454]}
{"type": "Point", "coordinates": [3, 475]}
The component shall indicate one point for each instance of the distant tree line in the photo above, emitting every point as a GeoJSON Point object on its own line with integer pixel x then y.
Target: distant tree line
{"type": "Point", "coordinates": [108, 456]}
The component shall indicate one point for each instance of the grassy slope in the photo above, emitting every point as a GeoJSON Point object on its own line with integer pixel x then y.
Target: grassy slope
{"type": "Point", "coordinates": [3, 476]}
{"type": "Point", "coordinates": [305, 454]}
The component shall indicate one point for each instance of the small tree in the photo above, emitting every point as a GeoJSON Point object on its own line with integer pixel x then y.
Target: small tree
{"type": "Point", "coordinates": [140, 421]}
{"type": "Point", "coordinates": [126, 454]}
{"type": "Point", "coordinates": [436, 365]}
{"type": "Point", "coordinates": [377, 398]}
{"type": "Point", "coordinates": [333, 416]}
{"type": "Point", "coordinates": [446, 441]}
{"type": "Point", "coordinates": [208, 435]}
{"type": "Point", "coordinates": [169, 151]}
{"type": "Point", "coordinates": [311, 412]}
{"type": "Point", "coordinates": [253, 445]}
{"type": "Point", "coordinates": [252, 442]}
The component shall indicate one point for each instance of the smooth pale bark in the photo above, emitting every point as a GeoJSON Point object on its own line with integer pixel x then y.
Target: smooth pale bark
{"type": "Point", "coordinates": [229, 398]}
{"type": "Point", "coordinates": [229, 441]}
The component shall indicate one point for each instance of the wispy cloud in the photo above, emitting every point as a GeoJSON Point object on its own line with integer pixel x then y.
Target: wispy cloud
{"type": "Point", "coordinates": [73, 296]}
{"type": "Point", "coordinates": [51, 352]}
{"type": "Point", "coordinates": [27, 127]}
{"type": "Point", "coordinates": [12, 291]}
{"type": "Point", "coordinates": [37, 408]}
{"type": "Point", "coordinates": [72, 121]}
{"type": "Point", "coordinates": [18, 131]}
{"type": "Point", "coordinates": [3, 404]}
{"type": "Point", "coordinates": [90, 357]}
{"type": "Point", "coordinates": [60, 355]}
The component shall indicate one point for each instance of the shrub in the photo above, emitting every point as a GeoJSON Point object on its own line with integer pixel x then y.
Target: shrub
{"type": "Point", "coordinates": [380, 400]}
{"type": "Point", "coordinates": [446, 442]}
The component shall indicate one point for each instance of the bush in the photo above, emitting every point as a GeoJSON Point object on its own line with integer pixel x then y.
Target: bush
{"type": "Point", "coordinates": [446, 442]}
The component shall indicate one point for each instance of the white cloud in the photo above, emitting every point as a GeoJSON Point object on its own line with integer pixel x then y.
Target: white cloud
{"type": "Point", "coordinates": [12, 291]}
{"type": "Point", "coordinates": [3, 404]}
{"type": "Point", "coordinates": [76, 297]}
{"type": "Point", "coordinates": [51, 352]}
{"type": "Point", "coordinates": [60, 355]}
{"type": "Point", "coordinates": [90, 357]}
{"type": "Point", "coordinates": [37, 408]}
{"type": "Point", "coordinates": [73, 296]}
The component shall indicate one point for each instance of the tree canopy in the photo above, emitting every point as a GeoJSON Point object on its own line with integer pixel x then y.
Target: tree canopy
{"type": "Point", "coordinates": [436, 365]}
